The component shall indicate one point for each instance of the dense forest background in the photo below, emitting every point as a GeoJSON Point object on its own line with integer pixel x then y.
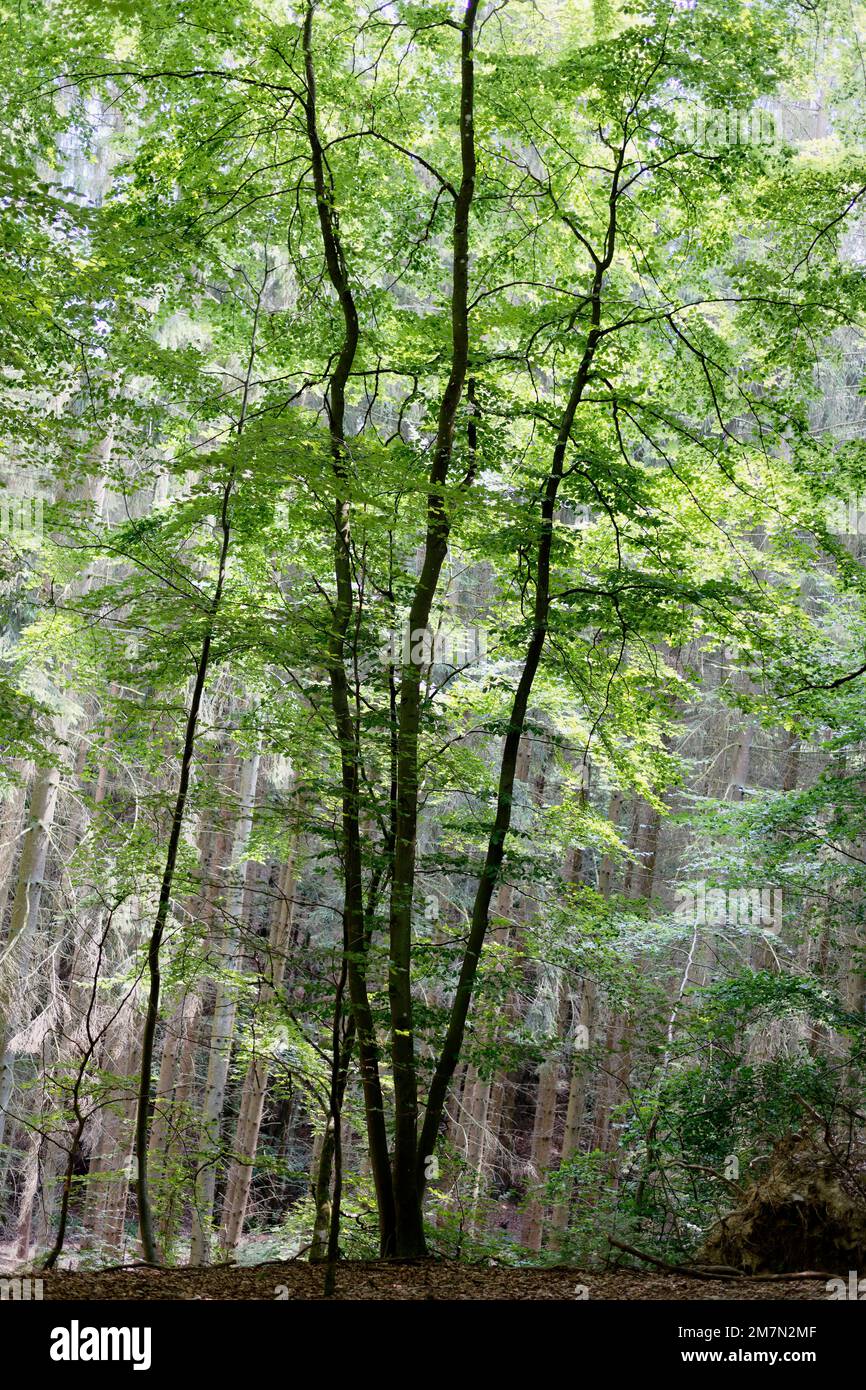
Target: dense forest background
{"type": "Point", "coordinates": [433, 615]}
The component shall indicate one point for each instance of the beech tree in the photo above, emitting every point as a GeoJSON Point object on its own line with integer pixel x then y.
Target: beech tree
{"type": "Point", "coordinates": [461, 385]}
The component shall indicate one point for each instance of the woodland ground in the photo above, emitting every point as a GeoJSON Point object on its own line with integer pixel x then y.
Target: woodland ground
{"type": "Point", "coordinates": [431, 1279]}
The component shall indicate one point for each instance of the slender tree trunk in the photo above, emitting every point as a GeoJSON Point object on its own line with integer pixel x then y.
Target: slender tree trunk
{"type": "Point", "coordinates": [255, 1083]}
{"type": "Point", "coordinates": [16, 951]}
{"type": "Point", "coordinates": [10, 833]}
{"type": "Point", "coordinates": [542, 1148]}
{"type": "Point", "coordinates": [145, 1215]}
{"type": "Point", "coordinates": [117, 1193]}
{"type": "Point", "coordinates": [341, 617]}
{"type": "Point", "coordinates": [483, 1104]}
{"type": "Point", "coordinates": [544, 1129]}
{"type": "Point", "coordinates": [577, 1093]}
{"type": "Point", "coordinates": [407, 1194]}
{"type": "Point", "coordinates": [541, 611]}
{"type": "Point", "coordinates": [172, 1133]}
{"type": "Point", "coordinates": [222, 1020]}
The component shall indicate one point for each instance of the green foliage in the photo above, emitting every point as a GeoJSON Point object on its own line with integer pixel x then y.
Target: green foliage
{"type": "Point", "coordinates": [170, 333]}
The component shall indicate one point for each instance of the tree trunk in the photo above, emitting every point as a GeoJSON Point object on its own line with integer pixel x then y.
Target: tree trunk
{"type": "Point", "coordinates": [18, 946]}
{"type": "Point", "coordinates": [577, 1093]}
{"type": "Point", "coordinates": [222, 1021]}
{"type": "Point", "coordinates": [255, 1083]}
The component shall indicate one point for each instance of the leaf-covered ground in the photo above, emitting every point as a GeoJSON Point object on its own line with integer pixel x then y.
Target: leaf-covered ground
{"type": "Point", "coordinates": [426, 1280]}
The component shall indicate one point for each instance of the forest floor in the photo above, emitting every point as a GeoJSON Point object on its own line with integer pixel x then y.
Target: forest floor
{"type": "Point", "coordinates": [430, 1279]}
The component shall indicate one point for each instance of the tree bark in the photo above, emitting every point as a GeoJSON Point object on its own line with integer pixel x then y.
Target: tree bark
{"type": "Point", "coordinates": [541, 611]}
{"type": "Point", "coordinates": [407, 1196]}
{"type": "Point", "coordinates": [255, 1083]}
{"type": "Point", "coordinates": [223, 1019]}
{"type": "Point", "coordinates": [145, 1215]}
{"type": "Point", "coordinates": [17, 949]}
{"type": "Point", "coordinates": [341, 617]}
